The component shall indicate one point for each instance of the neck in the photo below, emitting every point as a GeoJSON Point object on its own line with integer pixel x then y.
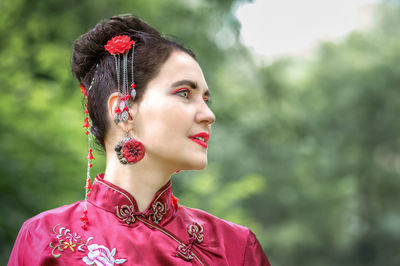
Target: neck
{"type": "Point", "coordinates": [142, 179]}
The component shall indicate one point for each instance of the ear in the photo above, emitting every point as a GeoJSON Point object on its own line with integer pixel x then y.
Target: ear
{"type": "Point", "coordinates": [112, 104]}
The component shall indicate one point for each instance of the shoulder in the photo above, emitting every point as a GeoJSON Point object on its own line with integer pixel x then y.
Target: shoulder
{"type": "Point", "coordinates": [37, 233]}
{"type": "Point", "coordinates": [219, 225]}
{"type": "Point", "coordinates": [45, 221]}
{"type": "Point", "coordinates": [236, 243]}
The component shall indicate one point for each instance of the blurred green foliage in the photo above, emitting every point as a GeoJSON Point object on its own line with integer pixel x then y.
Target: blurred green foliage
{"type": "Point", "coordinates": [305, 152]}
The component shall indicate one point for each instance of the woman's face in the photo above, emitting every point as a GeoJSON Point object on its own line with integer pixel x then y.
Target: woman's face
{"type": "Point", "coordinates": [172, 109]}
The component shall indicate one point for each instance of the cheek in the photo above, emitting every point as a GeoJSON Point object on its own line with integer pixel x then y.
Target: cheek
{"type": "Point", "coordinates": [163, 123]}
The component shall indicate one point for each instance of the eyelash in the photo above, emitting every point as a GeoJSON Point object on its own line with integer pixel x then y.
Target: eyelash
{"type": "Point", "coordinates": [208, 101]}
{"type": "Point", "coordinates": [183, 90]}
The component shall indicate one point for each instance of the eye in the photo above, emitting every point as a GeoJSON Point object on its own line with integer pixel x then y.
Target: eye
{"type": "Point", "coordinates": [183, 92]}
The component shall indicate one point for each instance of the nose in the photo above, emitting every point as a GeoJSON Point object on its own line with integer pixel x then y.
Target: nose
{"type": "Point", "coordinates": [204, 114]}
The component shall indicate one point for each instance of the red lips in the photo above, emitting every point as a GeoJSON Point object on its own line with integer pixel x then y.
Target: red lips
{"type": "Point", "coordinates": [203, 135]}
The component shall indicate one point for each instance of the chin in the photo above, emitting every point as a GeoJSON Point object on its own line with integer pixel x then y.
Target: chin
{"type": "Point", "coordinates": [198, 164]}
{"type": "Point", "coordinates": [200, 167]}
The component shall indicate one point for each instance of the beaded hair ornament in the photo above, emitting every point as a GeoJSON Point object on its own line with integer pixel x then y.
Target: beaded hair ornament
{"type": "Point", "coordinates": [119, 47]}
{"type": "Point", "coordinates": [128, 150]}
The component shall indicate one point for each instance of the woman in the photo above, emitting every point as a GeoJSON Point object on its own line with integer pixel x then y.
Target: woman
{"type": "Point", "coordinates": [147, 101]}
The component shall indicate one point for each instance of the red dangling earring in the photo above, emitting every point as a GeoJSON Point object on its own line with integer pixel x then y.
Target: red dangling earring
{"type": "Point", "coordinates": [130, 150]}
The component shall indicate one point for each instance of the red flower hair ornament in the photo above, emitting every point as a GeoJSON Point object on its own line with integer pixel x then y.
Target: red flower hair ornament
{"type": "Point", "coordinates": [119, 44]}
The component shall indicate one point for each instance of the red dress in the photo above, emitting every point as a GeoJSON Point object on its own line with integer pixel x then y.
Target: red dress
{"type": "Point", "coordinates": [164, 234]}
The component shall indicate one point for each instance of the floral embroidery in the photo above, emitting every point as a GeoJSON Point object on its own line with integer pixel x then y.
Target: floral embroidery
{"type": "Point", "coordinates": [73, 237]}
{"type": "Point", "coordinates": [67, 240]}
{"type": "Point", "coordinates": [97, 254]}
{"type": "Point", "coordinates": [195, 231]}
{"type": "Point", "coordinates": [70, 245]}
{"type": "Point", "coordinates": [100, 255]}
{"type": "Point", "coordinates": [159, 211]}
{"type": "Point", "coordinates": [126, 214]}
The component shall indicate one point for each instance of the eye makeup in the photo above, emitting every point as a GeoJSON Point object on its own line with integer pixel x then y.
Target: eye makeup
{"type": "Point", "coordinates": [188, 90]}
{"type": "Point", "coordinates": [190, 84]}
{"type": "Point", "coordinates": [180, 91]}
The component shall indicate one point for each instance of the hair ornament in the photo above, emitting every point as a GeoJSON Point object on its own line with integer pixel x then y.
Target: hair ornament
{"type": "Point", "coordinates": [129, 150]}
{"type": "Point", "coordinates": [119, 46]}
{"type": "Point", "coordinates": [86, 124]}
{"type": "Point", "coordinates": [83, 90]}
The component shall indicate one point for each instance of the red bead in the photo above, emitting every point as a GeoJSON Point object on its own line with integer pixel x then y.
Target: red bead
{"type": "Point", "coordinates": [90, 156]}
{"type": "Point", "coordinates": [83, 90]}
{"type": "Point", "coordinates": [128, 97]}
{"type": "Point", "coordinates": [87, 132]}
{"type": "Point", "coordinates": [88, 194]}
{"type": "Point", "coordinates": [117, 110]}
{"type": "Point", "coordinates": [123, 98]}
{"type": "Point", "coordinates": [88, 186]}
{"type": "Point", "coordinates": [133, 85]}
{"type": "Point", "coordinates": [90, 165]}
{"type": "Point", "coordinates": [86, 111]}
{"type": "Point", "coordinates": [86, 123]}
{"type": "Point", "coordinates": [84, 226]}
{"type": "Point", "coordinates": [84, 219]}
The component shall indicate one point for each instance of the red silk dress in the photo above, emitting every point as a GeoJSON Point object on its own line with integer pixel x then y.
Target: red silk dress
{"type": "Point", "coordinates": [164, 234]}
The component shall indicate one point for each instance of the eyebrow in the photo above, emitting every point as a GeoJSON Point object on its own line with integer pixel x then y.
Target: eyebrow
{"type": "Point", "coordinates": [189, 83]}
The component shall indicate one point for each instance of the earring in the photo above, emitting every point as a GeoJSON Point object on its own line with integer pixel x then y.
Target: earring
{"type": "Point", "coordinates": [129, 150]}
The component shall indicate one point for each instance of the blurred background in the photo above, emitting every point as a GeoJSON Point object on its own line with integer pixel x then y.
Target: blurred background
{"type": "Point", "coordinates": [305, 151]}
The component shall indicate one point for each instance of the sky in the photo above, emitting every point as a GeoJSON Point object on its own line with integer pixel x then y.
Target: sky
{"type": "Point", "coordinates": [272, 28]}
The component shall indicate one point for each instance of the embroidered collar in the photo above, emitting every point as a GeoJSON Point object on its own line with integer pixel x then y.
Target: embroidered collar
{"type": "Point", "coordinates": [121, 203]}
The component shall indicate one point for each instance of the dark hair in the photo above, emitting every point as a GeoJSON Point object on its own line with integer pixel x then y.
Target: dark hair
{"type": "Point", "coordinates": [90, 60]}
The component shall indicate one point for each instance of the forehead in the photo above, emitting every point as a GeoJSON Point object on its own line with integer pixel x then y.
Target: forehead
{"type": "Point", "coordinates": [179, 66]}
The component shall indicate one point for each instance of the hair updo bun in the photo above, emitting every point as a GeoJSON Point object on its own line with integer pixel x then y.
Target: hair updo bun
{"type": "Point", "coordinates": [90, 60]}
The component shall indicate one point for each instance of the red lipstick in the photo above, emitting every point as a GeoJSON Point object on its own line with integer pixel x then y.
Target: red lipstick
{"type": "Point", "coordinates": [201, 138]}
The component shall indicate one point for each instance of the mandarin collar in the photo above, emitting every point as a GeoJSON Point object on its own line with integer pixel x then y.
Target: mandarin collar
{"type": "Point", "coordinates": [123, 205]}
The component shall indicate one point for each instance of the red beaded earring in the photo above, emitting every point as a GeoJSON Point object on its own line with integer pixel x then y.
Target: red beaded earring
{"type": "Point", "coordinates": [129, 150]}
